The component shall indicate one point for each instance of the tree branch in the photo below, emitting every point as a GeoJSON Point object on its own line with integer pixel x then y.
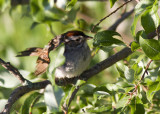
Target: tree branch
{"type": "Point", "coordinates": [12, 70]}
{"type": "Point", "coordinates": [25, 2]}
{"type": "Point", "coordinates": [110, 14]}
{"type": "Point", "coordinates": [106, 63]}
{"type": "Point", "coordinates": [20, 91]}
{"type": "Point", "coordinates": [122, 18]}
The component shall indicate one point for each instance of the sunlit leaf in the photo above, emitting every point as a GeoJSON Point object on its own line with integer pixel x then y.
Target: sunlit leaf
{"type": "Point", "coordinates": [8, 80]}
{"type": "Point", "coordinates": [122, 102]}
{"type": "Point", "coordinates": [2, 104]}
{"type": "Point", "coordinates": [150, 18]}
{"type": "Point", "coordinates": [106, 38]}
{"type": "Point", "coordinates": [153, 88]}
{"type": "Point", "coordinates": [134, 46]}
{"type": "Point", "coordinates": [52, 98]}
{"type": "Point", "coordinates": [112, 2]}
{"type": "Point", "coordinates": [26, 107]}
{"type": "Point", "coordinates": [112, 87]}
{"type": "Point", "coordinates": [71, 4]}
{"type": "Point", "coordinates": [99, 109]}
{"type": "Point", "coordinates": [139, 10]}
{"type": "Point", "coordinates": [120, 68]}
{"type": "Point", "coordinates": [129, 74]}
{"type": "Point", "coordinates": [151, 47]}
{"type": "Point", "coordinates": [137, 106]}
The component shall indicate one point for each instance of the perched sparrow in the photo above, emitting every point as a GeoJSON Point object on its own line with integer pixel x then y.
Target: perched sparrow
{"type": "Point", "coordinates": [77, 56]}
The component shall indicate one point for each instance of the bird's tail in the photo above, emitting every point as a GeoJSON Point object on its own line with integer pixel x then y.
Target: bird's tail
{"type": "Point", "coordinates": [43, 58]}
{"type": "Point", "coordinates": [43, 54]}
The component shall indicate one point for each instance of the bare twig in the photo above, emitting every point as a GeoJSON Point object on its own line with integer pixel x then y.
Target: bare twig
{"type": "Point", "coordinates": [106, 63]}
{"type": "Point", "coordinates": [20, 91]}
{"type": "Point", "coordinates": [26, 2]}
{"type": "Point", "coordinates": [66, 106]}
{"type": "Point", "coordinates": [138, 84]}
{"type": "Point", "coordinates": [146, 69]}
{"type": "Point", "coordinates": [153, 34]}
{"type": "Point", "coordinates": [12, 70]}
{"type": "Point", "coordinates": [157, 32]}
{"type": "Point", "coordinates": [123, 17]}
{"type": "Point", "coordinates": [110, 14]}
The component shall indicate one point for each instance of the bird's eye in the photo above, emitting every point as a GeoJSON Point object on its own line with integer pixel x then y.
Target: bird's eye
{"type": "Point", "coordinates": [78, 39]}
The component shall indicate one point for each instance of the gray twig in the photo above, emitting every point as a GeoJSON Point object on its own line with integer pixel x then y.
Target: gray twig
{"type": "Point", "coordinates": [110, 14]}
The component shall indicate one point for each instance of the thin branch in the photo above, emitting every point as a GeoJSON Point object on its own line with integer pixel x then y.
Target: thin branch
{"type": "Point", "coordinates": [26, 2]}
{"type": "Point", "coordinates": [146, 69]}
{"type": "Point", "coordinates": [110, 14]}
{"type": "Point", "coordinates": [12, 70]}
{"type": "Point", "coordinates": [20, 91]}
{"type": "Point", "coordinates": [66, 106]}
{"type": "Point", "coordinates": [122, 18]}
{"type": "Point", "coordinates": [138, 84]}
{"type": "Point", "coordinates": [157, 32]}
{"type": "Point", "coordinates": [106, 63]}
{"type": "Point", "coordinates": [153, 34]}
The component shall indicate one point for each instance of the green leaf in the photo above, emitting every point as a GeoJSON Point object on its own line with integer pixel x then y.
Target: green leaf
{"type": "Point", "coordinates": [82, 24]}
{"type": "Point", "coordinates": [139, 9]}
{"type": "Point", "coordinates": [150, 18]}
{"type": "Point", "coordinates": [153, 88]}
{"type": "Point", "coordinates": [3, 102]}
{"type": "Point", "coordinates": [4, 4]}
{"type": "Point", "coordinates": [129, 74]}
{"type": "Point", "coordinates": [112, 87]}
{"type": "Point", "coordinates": [8, 80]}
{"type": "Point", "coordinates": [52, 98]}
{"type": "Point", "coordinates": [137, 106]}
{"type": "Point", "coordinates": [88, 88]}
{"type": "Point", "coordinates": [137, 109]}
{"type": "Point", "coordinates": [105, 38]}
{"type": "Point", "coordinates": [26, 108]}
{"type": "Point", "coordinates": [138, 69]}
{"type": "Point", "coordinates": [37, 10]}
{"type": "Point", "coordinates": [100, 109]}
{"type": "Point", "coordinates": [102, 88]}
{"type": "Point", "coordinates": [43, 11]}
{"type": "Point", "coordinates": [134, 46]}
{"type": "Point", "coordinates": [151, 47]}
{"type": "Point", "coordinates": [112, 2]}
{"type": "Point", "coordinates": [123, 84]}
{"type": "Point", "coordinates": [121, 69]}
{"type": "Point", "coordinates": [80, 82]}
{"type": "Point", "coordinates": [71, 4]}
{"type": "Point", "coordinates": [70, 16]}
{"type": "Point", "coordinates": [122, 102]}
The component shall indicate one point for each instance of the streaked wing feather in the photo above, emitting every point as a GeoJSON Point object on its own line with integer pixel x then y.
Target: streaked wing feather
{"type": "Point", "coordinates": [31, 52]}
{"type": "Point", "coordinates": [42, 64]}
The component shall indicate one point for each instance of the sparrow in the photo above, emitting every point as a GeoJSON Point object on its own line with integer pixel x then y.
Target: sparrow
{"type": "Point", "coordinates": [77, 56]}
